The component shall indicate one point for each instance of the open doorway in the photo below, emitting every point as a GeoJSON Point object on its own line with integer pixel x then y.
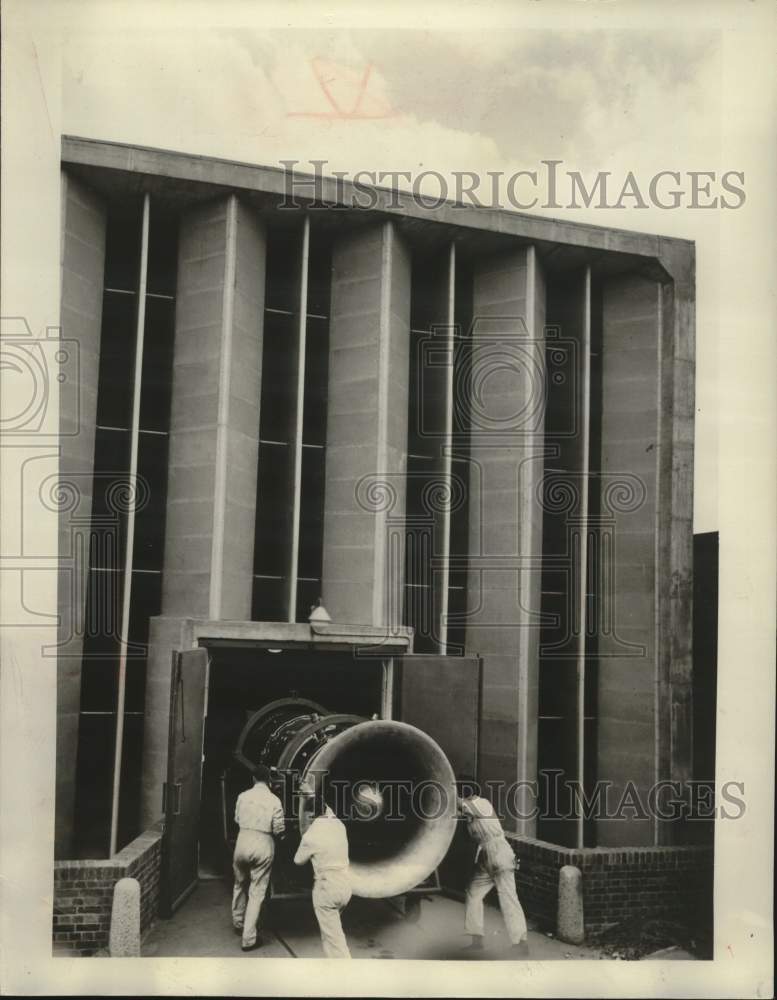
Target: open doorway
{"type": "Point", "coordinates": [243, 680]}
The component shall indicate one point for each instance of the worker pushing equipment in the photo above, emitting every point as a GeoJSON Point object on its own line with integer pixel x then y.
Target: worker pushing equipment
{"type": "Point", "coordinates": [259, 814]}
{"type": "Point", "coordinates": [325, 843]}
{"type": "Point", "coordinates": [495, 865]}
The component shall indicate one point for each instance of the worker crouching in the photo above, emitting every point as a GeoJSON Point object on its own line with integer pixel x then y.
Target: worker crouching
{"type": "Point", "coordinates": [495, 866]}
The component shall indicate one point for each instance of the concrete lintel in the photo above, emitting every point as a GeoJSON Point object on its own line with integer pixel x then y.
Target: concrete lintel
{"type": "Point", "coordinates": [204, 631]}
{"type": "Point", "coordinates": [199, 169]}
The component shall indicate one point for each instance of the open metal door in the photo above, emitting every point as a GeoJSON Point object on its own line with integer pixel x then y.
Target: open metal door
{"type": "Point", "coordinates": [441, 695]}
{"type": "Point", "coordinates": [181, 796]}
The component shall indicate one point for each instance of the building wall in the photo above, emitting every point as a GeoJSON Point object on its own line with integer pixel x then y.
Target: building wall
{"type": "Point", "coordinates": [82, 262]}
{"type": "Point", "coordinates": [647, 413]}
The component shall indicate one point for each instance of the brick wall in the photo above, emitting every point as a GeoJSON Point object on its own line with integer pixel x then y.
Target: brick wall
{"type": "Point", "coordinates": [619, 884]}
{"type": "Point", "coordinates": [83, 894]}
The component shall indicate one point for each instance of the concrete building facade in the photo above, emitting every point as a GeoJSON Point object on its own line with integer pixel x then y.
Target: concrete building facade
{"type": "Point", "coordinates": [467, 432]}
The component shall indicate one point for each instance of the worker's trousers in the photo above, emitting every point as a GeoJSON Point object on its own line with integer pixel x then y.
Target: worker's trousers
{"type": "Point", "coordinates": [251, 867]}
{"type": "Point", "coordinates": [482, 882]}
{"type": "Point", "coordinates": [331, 894]}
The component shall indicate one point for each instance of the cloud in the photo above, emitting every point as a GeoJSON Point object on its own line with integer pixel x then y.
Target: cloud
{"type": "Point", "coordinates": [451, 100]}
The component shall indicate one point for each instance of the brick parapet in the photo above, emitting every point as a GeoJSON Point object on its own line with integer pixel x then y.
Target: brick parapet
{"type": "Point", "coordinates": [83, 893]}
{"type": "Point", "coordinates": [619, 883]}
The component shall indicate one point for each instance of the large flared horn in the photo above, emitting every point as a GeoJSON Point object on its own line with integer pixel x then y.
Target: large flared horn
{"type": "Point", "coordinates": [389, 782]}
{"type": "Point", "coordinates": [395, 791]}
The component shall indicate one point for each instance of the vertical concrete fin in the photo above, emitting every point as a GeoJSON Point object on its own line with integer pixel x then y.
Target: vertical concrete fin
{"type": "Point", "coordinates": [297, 430]}
{"type": "Point", "coordinates": [443, 578]}
{"type": "Point", "coordinates": [632, 475]}
{"type": "Point", "coordinates": [507, 415]}
{"type": "Point", "coordinates": [214, 423]}
{"type": "Point", "coordinates": [381, 458]}
{"type": "Point", "coordinates": [222, 425]}
{"type": "Point", "coordinates": [364, 498]}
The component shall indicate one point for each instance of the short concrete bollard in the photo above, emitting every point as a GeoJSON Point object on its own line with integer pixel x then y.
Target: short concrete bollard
{"type": "Point", "coordinates": [124, 941]}
{"type": "Point", "coordinates": [569, 922]}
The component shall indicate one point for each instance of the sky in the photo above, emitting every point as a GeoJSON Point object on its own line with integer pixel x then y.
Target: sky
{"type": "Point", "coordinates": [452, 99]}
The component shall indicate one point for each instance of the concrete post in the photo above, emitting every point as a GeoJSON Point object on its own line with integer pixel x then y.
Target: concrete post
{"type": "Point", "coordinates": [366, 456]}
{"type": "Point", "coordinates": [569, 922]}
{"type": "Point", "coordinates": [506, 400]}
{"type": "Point", "coordinates": [124, 939]}
{"type": "Point", "coordinates": [214, 419]}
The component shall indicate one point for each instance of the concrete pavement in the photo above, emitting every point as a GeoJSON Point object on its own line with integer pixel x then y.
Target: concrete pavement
{"type": "Point", "coordinates": [375, 929]}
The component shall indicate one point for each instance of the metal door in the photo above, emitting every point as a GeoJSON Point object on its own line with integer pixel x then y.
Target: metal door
{"type": "Point", "coordinates": [441, 695]}
{"type": "Point", "coordinates": [181, 797]}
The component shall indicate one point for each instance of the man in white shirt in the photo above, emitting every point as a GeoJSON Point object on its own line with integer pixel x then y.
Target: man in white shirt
{"type": "Point", "coordinates": [325, 843]}
{"type": "Point", "coordinates": [259, 814]}
{"type": "Point", "coordinates": [495, 865]}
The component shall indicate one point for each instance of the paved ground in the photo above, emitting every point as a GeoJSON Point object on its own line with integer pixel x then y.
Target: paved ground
{"type": "Point", "coordinates": [375, 929]}
{"type": "Point", "coordinates": [672, 954]}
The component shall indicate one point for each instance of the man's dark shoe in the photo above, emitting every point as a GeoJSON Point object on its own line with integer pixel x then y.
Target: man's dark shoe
{"type": "Point", "coordinates": [476, 944]}
{"type": "Point", "coordinates": [520, 950]}
{"type": "Point", "coordinates": [252, 947]}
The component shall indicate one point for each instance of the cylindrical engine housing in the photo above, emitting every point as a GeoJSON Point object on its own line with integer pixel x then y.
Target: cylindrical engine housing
{"type": "Point", "coordinates": [389, 782]}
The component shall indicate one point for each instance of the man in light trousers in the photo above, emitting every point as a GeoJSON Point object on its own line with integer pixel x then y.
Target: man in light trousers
{"type": "Point", "coordinates": [325, 843]}
{"type": "Point", "coordinates": [495, 865]}
{"type": "Point", "coordinates": [259, 814]}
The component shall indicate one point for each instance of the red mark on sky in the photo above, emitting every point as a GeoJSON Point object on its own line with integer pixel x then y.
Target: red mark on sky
{"type": "Point", "coordinates": [347, 92]}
